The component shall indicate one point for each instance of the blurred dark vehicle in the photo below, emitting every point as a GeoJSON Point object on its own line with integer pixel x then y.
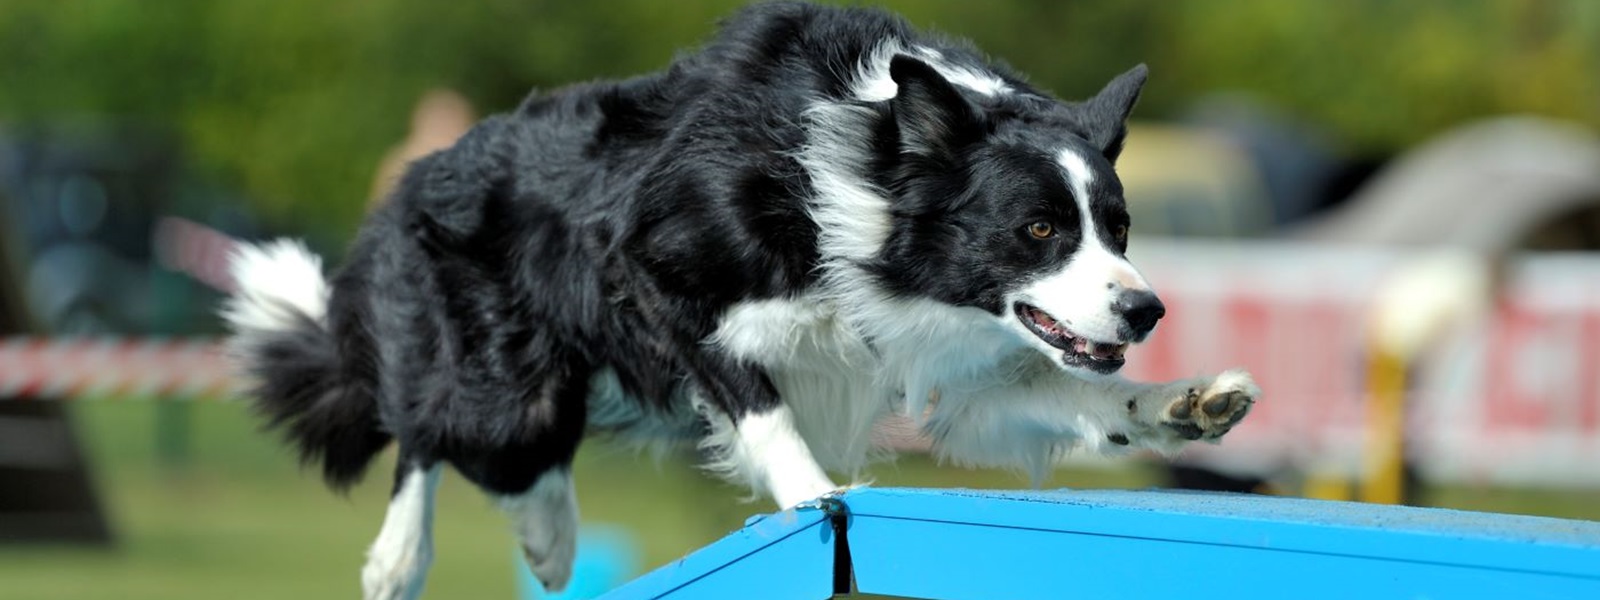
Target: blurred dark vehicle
{"type": "Point", "coordinates": [78, 207]}
{"type": "Point", "coordinates": [81, 206]}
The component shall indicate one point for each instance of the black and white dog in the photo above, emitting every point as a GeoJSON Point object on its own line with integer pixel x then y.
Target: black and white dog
{"type": "Point", "coordinates": [821, 218]}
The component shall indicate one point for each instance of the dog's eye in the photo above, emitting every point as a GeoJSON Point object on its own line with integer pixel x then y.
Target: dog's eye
{"type": "Point", "coordinates": [1042, 230]}
{"type": "Point", "coordinates": [1121, 234]}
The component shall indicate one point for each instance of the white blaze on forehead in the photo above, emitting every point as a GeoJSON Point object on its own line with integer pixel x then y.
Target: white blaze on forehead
{"type": "Point", "coordinates": [1081, 293]}
{"type": "Point", "coordinates": [1079, 176]}
{"type": "Point", "coordinates": [1118, 271]}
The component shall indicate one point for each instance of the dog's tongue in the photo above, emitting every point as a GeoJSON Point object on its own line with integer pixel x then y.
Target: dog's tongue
{"type": "Point", "coordinates": [1049, 324]}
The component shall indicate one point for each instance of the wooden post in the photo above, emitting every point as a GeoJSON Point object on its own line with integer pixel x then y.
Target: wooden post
{"type": "Point", "coordinates": [1383, 468]}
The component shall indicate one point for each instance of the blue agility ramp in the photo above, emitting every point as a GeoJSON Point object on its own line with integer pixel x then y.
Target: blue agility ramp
{"type": "Point", "coordinates": [959, 544]}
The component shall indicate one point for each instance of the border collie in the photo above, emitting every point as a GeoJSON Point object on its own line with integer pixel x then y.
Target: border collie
{"type": "Point", "coordinates": [821, 218]}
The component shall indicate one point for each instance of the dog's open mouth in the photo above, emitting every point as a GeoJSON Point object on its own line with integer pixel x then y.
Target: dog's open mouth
{"type": "Point", "coordinates": [1102, 357]}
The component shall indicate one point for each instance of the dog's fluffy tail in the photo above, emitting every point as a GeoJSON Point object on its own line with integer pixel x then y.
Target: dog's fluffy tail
{"type": "Point", "coordinates": [282, 344]}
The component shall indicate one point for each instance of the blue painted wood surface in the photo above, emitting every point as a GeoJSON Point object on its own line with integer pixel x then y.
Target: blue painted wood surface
{"type": "Point", "coordinates": [1154, 544]}
{"type": "Point", "coordinates": [784, 556]}
{"type": "Point", "coordinates": [1140, 544]}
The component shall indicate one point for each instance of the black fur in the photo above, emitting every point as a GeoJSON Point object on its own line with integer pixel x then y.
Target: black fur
{"type": "Point", "coordinates": [329, 415]}
{"type": "Point", "coordinates": [610, 225]}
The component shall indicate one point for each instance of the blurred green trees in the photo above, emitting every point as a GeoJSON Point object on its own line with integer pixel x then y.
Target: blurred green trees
{"type": "Point", "coordinates": [295, 101]}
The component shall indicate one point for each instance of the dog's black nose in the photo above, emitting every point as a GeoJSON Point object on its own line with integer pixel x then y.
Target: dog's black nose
{"type": "Point", "coordinates": [1141, 309]}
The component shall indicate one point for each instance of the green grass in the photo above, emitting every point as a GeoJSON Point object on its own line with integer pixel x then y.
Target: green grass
{"type": "Point", "coordinates": [240, 520]}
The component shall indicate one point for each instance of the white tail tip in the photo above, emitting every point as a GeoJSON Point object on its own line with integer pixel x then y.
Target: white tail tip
{"type": "Point", "coordinates": [275, 285]}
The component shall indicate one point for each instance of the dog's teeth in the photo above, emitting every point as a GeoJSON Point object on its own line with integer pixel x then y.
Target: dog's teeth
{"type": "Point", "coordinates": [1101, 350]}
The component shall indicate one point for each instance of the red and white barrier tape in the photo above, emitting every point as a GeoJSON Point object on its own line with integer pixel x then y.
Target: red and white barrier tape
{"type": "Point", "coordinates": [121, 368]}
{"type": "Point", "coordinates": [112, 368]}
{"type": "Point", "coordinates": [1512, 398]}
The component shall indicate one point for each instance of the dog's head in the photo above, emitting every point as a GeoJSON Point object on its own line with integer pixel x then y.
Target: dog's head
{"type": "Point", "coordinates": [1008, 202]}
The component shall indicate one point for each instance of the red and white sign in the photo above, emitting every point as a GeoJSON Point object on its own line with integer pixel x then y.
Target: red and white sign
{"type": "Point", "coordinates": [1511, 397]}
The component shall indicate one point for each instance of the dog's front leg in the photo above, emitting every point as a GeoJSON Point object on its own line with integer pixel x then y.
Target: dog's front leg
{"type": "Point", "coordinates": [753, 439]}
{"type": "Point", "coordinates": [1165, 416]}
{"type": "Point", "coordinates": [773, 456]}
{"type": "Point", "coordinates": [1031, 423]}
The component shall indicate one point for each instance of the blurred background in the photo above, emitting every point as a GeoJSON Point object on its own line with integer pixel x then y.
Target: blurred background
{"type": "Point", "coordinates": [1389, 212]}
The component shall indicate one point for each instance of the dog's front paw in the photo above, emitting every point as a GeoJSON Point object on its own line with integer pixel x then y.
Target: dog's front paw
{"type": "Point", "coordinates": [1208, 412]}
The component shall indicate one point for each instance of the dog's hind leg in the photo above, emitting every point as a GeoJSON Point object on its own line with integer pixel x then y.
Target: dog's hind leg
{"type": "Point", "coordinates": [545, 518]}
{"type": "Point", "coordinates": [397, 563]}
{"type": "Point", "coordinates": [530, 478]}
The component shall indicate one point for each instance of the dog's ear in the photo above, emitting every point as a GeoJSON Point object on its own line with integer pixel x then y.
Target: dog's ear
{"type": "Point", "coordinates": [932, 117]}
{"type": "Point", "coordinates": [1108, 111]}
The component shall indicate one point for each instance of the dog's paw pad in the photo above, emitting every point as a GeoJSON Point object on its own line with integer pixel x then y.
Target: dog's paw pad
{"type": "Point", "coordinates": [552, 566]}
{"type": "Point", "coordinates": [1185, 429]}
{"type": "Point", "coordinates": [1207, 413]}
{"type": "Point", "coordinates": [1220, 404]}
{"type": "Point", "coordinates": [1182, 409]}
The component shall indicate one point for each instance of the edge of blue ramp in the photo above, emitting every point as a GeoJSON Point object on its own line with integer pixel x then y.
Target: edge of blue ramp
{"type": "Point", "coordinates": [1136, 544]}
{"type": "Point", "coordinates": [786, 555]}
{"type": "Point", "coordinates": [949, 544]}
